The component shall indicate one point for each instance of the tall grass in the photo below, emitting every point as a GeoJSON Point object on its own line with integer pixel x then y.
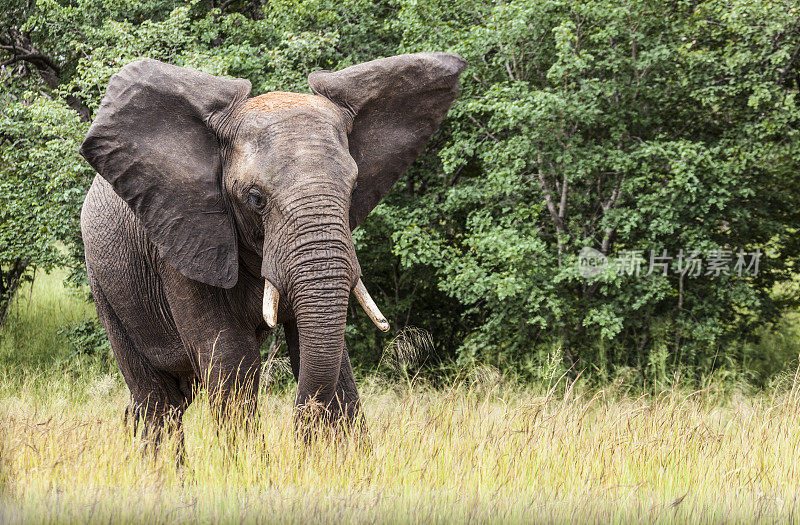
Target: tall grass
{"type": "Point", "coordinates": [482, 449]}
{"type": "Point", "coordinates": [30, 338]}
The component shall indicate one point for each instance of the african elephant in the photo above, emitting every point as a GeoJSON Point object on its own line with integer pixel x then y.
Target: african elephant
{"type": "Point", "coordinates": [216, 216]}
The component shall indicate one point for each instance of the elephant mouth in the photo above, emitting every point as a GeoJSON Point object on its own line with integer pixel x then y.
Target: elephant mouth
{"type": "Point", "coordinates": [272, 298]}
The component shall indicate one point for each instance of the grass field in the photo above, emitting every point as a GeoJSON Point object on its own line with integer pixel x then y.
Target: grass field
{"type": "Point", "coordinates": [481, 450]}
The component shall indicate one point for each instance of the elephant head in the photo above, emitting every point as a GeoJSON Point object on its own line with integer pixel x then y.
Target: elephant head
{"type": "Point", "coordinates": [217, 179]}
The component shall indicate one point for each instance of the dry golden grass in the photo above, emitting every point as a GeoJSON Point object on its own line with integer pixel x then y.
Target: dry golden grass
{"type": "Point", "coordinates": [476, 452]}
{"type": "Point", "coordinates": [481, 450]}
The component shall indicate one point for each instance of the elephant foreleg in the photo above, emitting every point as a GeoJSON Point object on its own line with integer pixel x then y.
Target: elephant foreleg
{"type": "Point", "coordinates": [224, 348]}
{"type": "Point", "coordinates": [347, 401]}
{"type": "Point", "coordinates": [158, 399]}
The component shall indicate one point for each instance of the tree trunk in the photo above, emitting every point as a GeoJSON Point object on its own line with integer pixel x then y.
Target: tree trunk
{"type": "Point", "coordinates": [10, 281]}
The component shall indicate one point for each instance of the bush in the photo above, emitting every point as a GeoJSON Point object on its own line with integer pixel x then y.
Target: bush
{"type": "Point", "coordinates": [86, 338]}
{"type": "Point", "coordinates": [42, 185]}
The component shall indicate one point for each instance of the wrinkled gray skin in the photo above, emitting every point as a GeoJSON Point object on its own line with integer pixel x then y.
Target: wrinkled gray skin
{"type": "Point", "coordinates": [203, 193]}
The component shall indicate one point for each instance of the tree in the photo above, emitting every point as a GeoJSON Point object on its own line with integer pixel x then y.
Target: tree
{"type": "Point", "coordinates": [42, 184]}
{"type": "Point", "coordinates": [621, 127]}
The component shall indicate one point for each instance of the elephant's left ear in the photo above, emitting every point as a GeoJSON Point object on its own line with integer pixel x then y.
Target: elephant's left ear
{"type": "Point", "coordinates": [396, 103]}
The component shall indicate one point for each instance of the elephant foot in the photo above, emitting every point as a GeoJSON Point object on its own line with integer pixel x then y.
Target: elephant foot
{"type": "Point", "coordinates": [157, 423]}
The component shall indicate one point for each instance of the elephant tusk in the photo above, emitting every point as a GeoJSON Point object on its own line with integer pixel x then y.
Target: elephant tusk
{"type": "Point", "coordinates": [271, 298]}
{"type": "Point", "coordinates": [369, 306]}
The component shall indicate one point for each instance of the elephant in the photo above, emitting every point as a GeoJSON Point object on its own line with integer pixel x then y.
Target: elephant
{"type": "Point", "coordinates": [215, 216]}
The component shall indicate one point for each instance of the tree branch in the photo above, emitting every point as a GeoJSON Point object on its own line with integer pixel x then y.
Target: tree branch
{"type": "Point", "coordinates": [555, 213]}
{"type": "Point", "coordinates": [23, 50]}
{"type": "Point", "coordinates": [610, 203]}
{"type": "Point", "coordinates": [488, 133]}
{"type": "Point", "coordinates": [39, 60]}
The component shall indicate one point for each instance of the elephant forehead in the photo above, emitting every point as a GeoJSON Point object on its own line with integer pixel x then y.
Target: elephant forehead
{"type": "Point", "coordinates": [284, 100]}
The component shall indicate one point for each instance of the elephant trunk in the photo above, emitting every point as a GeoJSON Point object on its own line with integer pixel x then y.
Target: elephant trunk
{"type": "Point", "coordinates": [320, 316]}
{"type": "Point", "coordinates": [319, 270]}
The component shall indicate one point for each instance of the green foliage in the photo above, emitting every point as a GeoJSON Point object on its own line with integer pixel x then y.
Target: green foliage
{"type": "Point", "coordinates": [86, 337]}
{"type": "Point", "coordinates": [635, 126]}
{"type": "Point", "coordinates": [640, 126]}
{"type": "Point", "coordinates": [42, 184]}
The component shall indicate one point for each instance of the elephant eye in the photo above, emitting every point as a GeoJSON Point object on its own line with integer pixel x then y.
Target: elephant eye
{"type": "Point", "coordinates": [256, 199]}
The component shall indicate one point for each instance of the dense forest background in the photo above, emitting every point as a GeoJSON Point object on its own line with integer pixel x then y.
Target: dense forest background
{"type": "Point", "coordinates": [626, 127]}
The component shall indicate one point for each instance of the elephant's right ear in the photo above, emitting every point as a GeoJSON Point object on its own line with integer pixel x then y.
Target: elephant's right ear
{"type": "Point", "coordinates": [154, 139]}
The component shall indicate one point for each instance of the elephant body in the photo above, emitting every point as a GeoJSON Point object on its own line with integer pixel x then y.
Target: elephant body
{"type": "Point", "coordinates": [215, 216]}
{"type": "Point", "coordinates": [143, 302]}
{"type": "Point", "coordinates": [164, 328]}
